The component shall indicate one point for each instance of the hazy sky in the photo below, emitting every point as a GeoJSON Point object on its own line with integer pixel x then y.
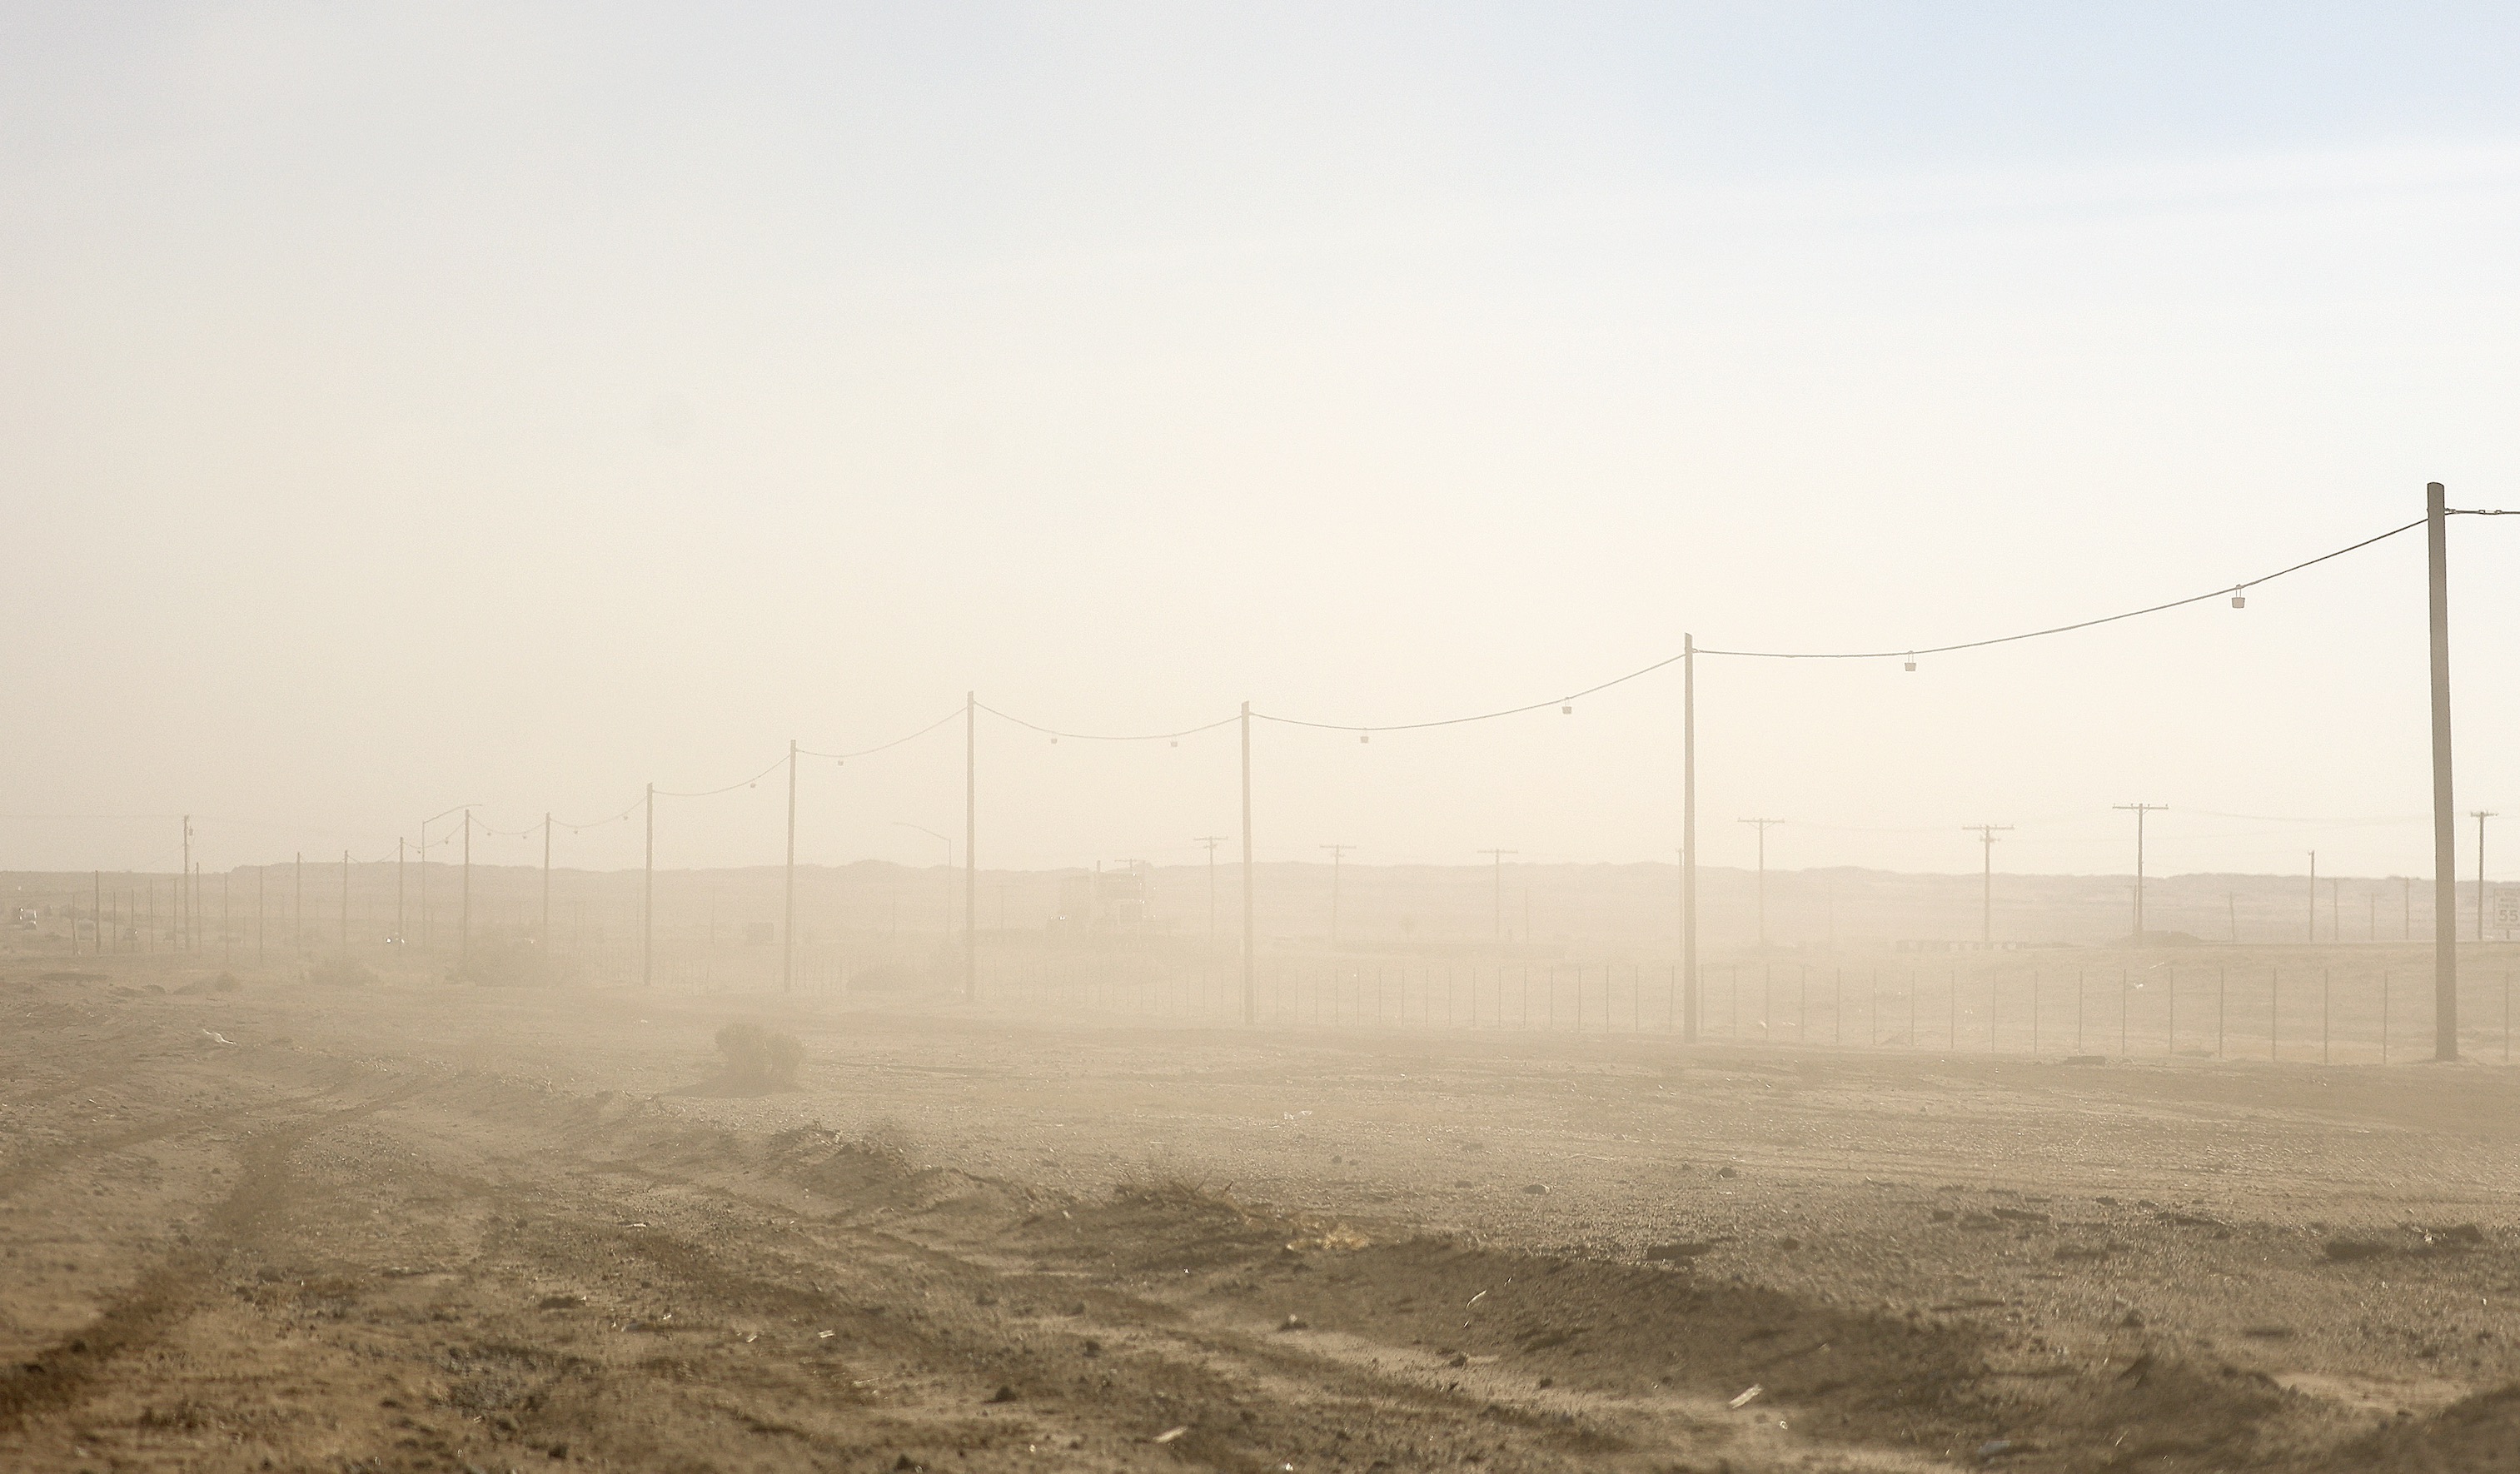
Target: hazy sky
{"type": "Point", "coordinates": [513, 404]}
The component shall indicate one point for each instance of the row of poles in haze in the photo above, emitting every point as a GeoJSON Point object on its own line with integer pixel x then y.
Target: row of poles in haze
{"type": "Point", "coordinates": [2444, 814]}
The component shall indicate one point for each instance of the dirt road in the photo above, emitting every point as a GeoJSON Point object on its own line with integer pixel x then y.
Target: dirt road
{"type": "Point", "coordinates": [416, 1226]}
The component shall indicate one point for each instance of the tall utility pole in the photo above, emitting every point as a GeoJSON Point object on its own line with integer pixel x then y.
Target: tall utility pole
{"type": "Point", "coordinates": [1338, 852]}
{"type": "Point", "coordinates": [1689, 837]}
{"type": "Point", "coordinates": [297, 905]}
{"type": "Point", "coordinates": [648, 900]}
{"type": "Point", "coordinates": [1763, 824]}
{"type": "Point", "coordinates": [1499, 856]}
{"type": "Point", "coordinates": [346, 903]}
{"type": "Point", "coordinates": [2406, 902]}
{"type": "Point", "coordinates": [400, 939]}
{"type": "Point", "coordinates": [1986, 833]}
{"type": "Point", "coordinates": [2312, 920]}
{"type": "Point", "coordinates": [1250, 972]}
{"type": "Point", "coordinates": [2480, 816]}
{"type": "Point", "coordinates": [2140, 810]}
{"type": "Point", "coordinates": [463, 925]}
{"type": "Point", "coordinates": [1211, 841]}
{"type": "Point", "coordinates": [541, 936]}
{"type": "Point", "coordinates": [971, 848]}
{"type": "Point", "coordinates": [2445, 808]}
{"type": "Point", "coordinates": [787, 914]}
{"type": "Point", "coordinates": [182, 912]}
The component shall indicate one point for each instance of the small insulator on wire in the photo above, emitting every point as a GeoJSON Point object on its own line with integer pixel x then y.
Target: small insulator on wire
{"type": "Point", "coordinates": [1565, 711]}
{"type": "Point", "coordinates": [2239, 601]}
{"type": "Point", "coordinates": [1912, 662]}
{"type": "Point", "coordinates": [1364, 737]}
{"type": "Point", "coordinates": [1053, 742]}
{"type": "Point", "coordinates": [1176, 741]}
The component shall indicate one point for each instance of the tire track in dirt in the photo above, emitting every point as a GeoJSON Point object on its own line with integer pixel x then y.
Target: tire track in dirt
{"type": "Point", "coordinates": [61, 1375]}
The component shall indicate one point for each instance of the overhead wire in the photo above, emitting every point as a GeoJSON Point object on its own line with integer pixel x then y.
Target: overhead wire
{"type": "Point", "coordinates": [1562, 701]}
{"type": "Point", "coordinates": [729, 788]}
{"type": "Point", "coordinates": [1876, 654]}
{"type": "Point", "coordinates": [1112, 737]}
{"type": "Point", "coordinates": [842, 757]}
{"type": "Point", "coordinates": [2082, 624]}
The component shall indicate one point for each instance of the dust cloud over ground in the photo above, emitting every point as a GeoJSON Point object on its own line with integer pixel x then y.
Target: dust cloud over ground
{"type": "Point", "coordinates": [254, 1219]}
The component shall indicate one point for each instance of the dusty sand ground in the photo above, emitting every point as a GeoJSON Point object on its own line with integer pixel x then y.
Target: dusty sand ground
{"type": "Point", "coordinates": [419, 1226]}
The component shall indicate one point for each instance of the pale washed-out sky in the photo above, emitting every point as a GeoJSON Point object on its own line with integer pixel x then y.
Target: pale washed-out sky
{"type": "Point", "coordinates": [513, 404]}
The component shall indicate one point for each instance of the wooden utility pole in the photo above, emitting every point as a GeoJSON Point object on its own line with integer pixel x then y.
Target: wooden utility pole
{"type": "Point", "coordinates": [1986, 833]}
{"type": "Point", "coordinates": [1689, 837]}
{"type": "Point", "coordinates": [648, 900]}
{"type": "Point", "coordinates": [1251, 936]}
{"type": "Point", "coordinates": [2312, 921]}
{"type": "Point", "coordinates": [1499, 856]}
{"type": "Point", "coordinates": [788, 909]}
{"type": "Point", "coordinates": [1338, 852]}
{"type": "Point", "coordinates": [346, 903]}
{"type": "Point", "coordinates": [297, 905]}
{"type": "Point", "coordinates": [2445, 809]}
{"type": "Point", "coordinates": [541, 936]}
{"type": "Point", "coordinates": [971, 848]}
{"type": "Point", "coordinates": [402, 938]}
{"type": "Point", "coordinates": [2140, 810]}
{"type": "Point", "coordinates": [183, 922]}
{"type": "Point", "coordinates": [2480, 816]}
{"type": "Point", "coordinates": [1211, 841]}
{"type": "Point", "coordinates": [1763, 824]}
{"type": "Point", "coordinates": [464, 924]}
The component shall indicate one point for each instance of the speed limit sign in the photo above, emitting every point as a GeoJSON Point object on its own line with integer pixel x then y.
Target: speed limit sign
{"type": "Point", "coordinates": [2506, 907]}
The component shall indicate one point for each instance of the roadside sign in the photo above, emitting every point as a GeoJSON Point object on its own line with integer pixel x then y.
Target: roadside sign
{"type": "Point", "coordinates": [2506, 907]}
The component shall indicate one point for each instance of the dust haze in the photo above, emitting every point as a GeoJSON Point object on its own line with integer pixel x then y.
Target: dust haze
{"type": "Point", "coordinates": [982, 737]}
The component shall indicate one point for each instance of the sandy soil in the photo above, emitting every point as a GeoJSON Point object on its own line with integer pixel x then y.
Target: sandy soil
{"type": "Point", "coordinates": [417, 1225]}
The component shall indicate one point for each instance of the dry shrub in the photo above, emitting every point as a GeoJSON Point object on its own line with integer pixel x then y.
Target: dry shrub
{"type": "Point", "coordinates": [758, 1055]}
{"type": "Point", "coordinates": [1162, 1188]}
